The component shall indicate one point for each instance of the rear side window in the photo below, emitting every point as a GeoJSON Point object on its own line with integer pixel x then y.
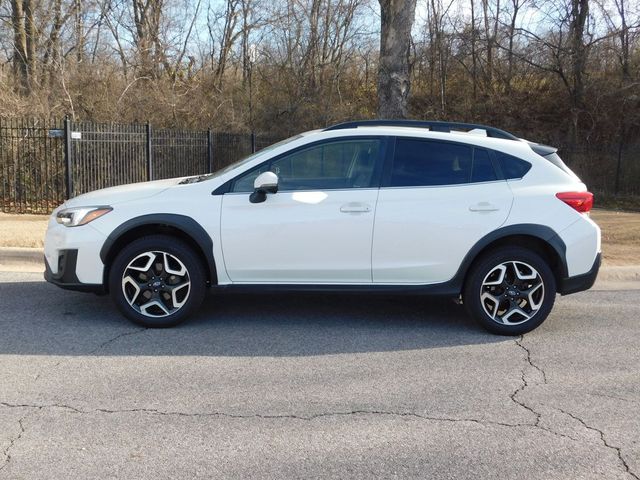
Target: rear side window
{"type": "Point", "coordinates": [512, 167]}
{"type": "Point", "coordinates": [426, 163]}
{"type": "Point", "coordinates": [482, 170]}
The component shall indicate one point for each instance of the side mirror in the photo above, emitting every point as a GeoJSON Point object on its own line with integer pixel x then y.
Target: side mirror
{"type": "Point", "coordinates": [266, 182]}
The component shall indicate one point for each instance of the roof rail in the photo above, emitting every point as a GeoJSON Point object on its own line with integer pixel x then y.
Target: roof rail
{"type": "Point", "coordinates": [431, 125]}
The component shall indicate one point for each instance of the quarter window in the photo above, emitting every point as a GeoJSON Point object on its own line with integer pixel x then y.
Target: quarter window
{"type": "Point", "coordinates": [512, 167]}
{"type": "Point", "coordinates": [428, 163]}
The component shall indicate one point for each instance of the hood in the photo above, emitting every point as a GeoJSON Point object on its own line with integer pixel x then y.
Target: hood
{"type": "Point", "coordinates": [123, 193]}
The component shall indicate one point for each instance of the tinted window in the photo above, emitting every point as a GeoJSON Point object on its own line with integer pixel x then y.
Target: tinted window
{"type": "Point", "coordinates": [334, 165]}
{"type": "Point", "coordinates": [512, 167]}
{"type": "Point", "coordinates": [425, 163]}
{"type": "Point", "coordinates": [482, 167]}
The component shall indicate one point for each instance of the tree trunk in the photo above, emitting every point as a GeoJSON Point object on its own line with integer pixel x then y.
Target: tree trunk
{"type": "Point", "coordinates": [397, 17]}
{"type": "Point", "coordinates": [20, 53]}
{"type": "Point", "coordinates": [579, 14]}
{"type": "Point", "coordinates": [474, 56]}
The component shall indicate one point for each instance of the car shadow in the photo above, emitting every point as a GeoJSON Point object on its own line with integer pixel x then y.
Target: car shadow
{"type": "Point", "coordinates": [39, 319]}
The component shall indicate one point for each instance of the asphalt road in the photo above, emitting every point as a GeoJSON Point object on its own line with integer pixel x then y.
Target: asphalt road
{"type": "Point", "coordinates": [315, 386]}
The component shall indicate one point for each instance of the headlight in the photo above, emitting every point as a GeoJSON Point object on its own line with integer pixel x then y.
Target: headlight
{"type": "Point", "coordinates": [74, 217]}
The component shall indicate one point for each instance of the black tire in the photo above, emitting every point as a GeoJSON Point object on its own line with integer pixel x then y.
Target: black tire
{"type": "Point", "coordinates": [190, 287]}
{"type": "Point", "coordinates": [514, 296]}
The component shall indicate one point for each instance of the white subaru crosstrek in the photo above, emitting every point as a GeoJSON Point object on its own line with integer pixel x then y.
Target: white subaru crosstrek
{"type": "Point", "coordinates": [452, 209]}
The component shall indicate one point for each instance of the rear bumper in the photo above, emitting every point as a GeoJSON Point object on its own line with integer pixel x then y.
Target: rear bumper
{"type": "Point", "coordinates": [582, 282]}
{"type": "Point", "coordinates": [66, 276]}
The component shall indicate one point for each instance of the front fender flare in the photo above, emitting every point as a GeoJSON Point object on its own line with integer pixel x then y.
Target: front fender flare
{"type": "Point", "coordinates": [185, 224]}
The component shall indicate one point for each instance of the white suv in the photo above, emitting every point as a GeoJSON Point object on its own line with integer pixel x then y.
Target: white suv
{"type": "Point", "coordinates": [453, 209]}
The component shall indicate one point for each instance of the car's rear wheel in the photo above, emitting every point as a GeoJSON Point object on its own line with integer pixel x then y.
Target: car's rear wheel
{"type": "Point", "coordinates": [510, 291]}
{"type": "Point", "coordinates": [157, 281]}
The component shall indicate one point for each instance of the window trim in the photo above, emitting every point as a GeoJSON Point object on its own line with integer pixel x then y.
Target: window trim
{"type": "Point", "coordinates": [227, 187]}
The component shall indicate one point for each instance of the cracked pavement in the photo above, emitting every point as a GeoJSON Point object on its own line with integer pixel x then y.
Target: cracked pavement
{"type": "Point", "coordinates": [285, 386]}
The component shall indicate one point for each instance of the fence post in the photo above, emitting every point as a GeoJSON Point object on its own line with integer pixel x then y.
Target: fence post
{"type": "Point", "coordinates": [149, 159]}
{"type": "Point", "coordinates": [68, 178]}
{"type": "Point", "coordinates": [616, 188]}
{"type": "Point", "coordinates": [253, 142]}
{"type": "Point", "coordinates": [209, 151]}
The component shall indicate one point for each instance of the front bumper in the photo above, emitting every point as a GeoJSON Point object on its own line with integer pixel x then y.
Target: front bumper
{"type": "Point", "coordinates": [66, 277]}
{"type": "Point", "coordinates": [582, 282]}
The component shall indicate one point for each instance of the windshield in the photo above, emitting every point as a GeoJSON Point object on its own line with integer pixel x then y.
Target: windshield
{"type": "Point", "coordinates": [243, 161]}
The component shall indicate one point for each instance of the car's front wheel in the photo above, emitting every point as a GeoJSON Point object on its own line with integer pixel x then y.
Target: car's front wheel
{"type": "Point", "coordinates": [157, 281]}
{"type": "Point", "coordinates": [510, 291]}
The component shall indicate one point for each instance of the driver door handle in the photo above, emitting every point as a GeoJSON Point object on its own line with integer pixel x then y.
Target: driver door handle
{"type": "Point", "coordinates": [484, 207]}
{"type": "Point", "coordinates": [355, 207]}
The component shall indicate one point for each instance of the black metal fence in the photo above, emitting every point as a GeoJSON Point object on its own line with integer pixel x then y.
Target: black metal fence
{"type": "Point", "coordinates": [32, 165]}
{"type": "Point", "coordinates": [42, 162]}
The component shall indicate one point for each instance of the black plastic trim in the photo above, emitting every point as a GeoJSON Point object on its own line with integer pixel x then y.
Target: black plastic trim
{"type": "Point", "coordinates": [436, 289]}
{"type": "Point", "coordinates": [181, 222]}
{"type": "Point", "coordinates": [579, 283]}
{"type": "Point", "coordinates": [66, 276]}
{"type": "Point", "coordinates": [541, 232]}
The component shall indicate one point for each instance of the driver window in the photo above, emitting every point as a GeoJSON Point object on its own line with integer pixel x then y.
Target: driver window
{"type": "Point", "coordinates": [335, 165]}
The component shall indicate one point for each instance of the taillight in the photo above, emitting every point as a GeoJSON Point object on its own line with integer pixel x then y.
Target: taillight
{"type": "Point", "coordinates": [580, 201]}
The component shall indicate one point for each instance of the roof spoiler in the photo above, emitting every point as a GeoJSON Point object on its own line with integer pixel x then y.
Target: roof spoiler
{"type": "Point", "coordinates": [542, 150]}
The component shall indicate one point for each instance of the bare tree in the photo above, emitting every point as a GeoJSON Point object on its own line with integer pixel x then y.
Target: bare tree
{"type": "Point", "coordinates": [397, 17]}
{"type": "Point", "coordinates": [24, 44]}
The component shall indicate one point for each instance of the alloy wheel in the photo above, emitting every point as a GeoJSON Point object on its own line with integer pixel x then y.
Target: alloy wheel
{"type": "Point", "coordinates": [512, 293]}
{"type": "Point", "coordinates": [156, 284]}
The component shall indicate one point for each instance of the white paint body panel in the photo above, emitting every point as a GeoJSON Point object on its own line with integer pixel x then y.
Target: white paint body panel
{"type": "Point", "coordinates": [299, 237]}
{"type": "Point", "coordinates": [86, 239]}
{"type": "Point", "coordinates": [422, 234]}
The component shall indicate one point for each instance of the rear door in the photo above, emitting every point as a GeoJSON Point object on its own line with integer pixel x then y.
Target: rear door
{"type": "Point", "coordinates": [318, 228]}
{"type": "Point", "coordinates": [436, 201]}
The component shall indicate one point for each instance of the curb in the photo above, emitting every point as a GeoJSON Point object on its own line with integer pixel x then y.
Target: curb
{"type": "Point", "coordinates": [33, 258]}
{"type": "Point", "coordinates": [17, 256]}
{"type": "Point", "coordinates": [626, 273]}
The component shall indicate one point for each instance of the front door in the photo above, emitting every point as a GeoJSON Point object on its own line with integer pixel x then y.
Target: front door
{"type": "Point", "coordinates": [318, 228]}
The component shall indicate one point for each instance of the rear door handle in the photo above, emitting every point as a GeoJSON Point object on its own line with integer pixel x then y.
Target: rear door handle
{"type": "Point", "coordinates": [355, 207]}
{"type": "Point", "coordinates": [483, 207]}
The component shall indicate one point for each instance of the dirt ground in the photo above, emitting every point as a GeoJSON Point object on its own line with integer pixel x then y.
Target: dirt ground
{"type": "Point", "coordinates": [22, 230]}
{"type": "Point", "coordinates": [620, 234]}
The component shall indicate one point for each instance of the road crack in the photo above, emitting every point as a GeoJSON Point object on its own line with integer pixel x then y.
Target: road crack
{"type": "Point", "coordinates": [14, 440]}
{"type": "Point", "coordinates": [153, 411]}
{"type": "Point", "coordinates": [526, 383]}
{"type": "Point", "coordinates": [604, 442]}
{"type": "Point", "coordinates": [528, 358]}
{"type": "Point", "coordinates": [116, 338]}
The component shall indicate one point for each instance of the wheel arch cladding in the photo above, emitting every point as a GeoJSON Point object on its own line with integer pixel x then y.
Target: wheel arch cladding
{"type": "Point", "coordinates": [538, 238]}
{"type": "Point", "coordinates": [179, 226]}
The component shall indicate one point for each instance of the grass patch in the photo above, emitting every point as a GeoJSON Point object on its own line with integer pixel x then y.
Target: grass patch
{"type": "Point", "coordinates": [620, 236]}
